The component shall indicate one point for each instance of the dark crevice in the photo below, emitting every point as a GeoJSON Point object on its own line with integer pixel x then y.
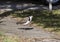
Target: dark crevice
{"type": "Point", "coordinates": [25, 28]}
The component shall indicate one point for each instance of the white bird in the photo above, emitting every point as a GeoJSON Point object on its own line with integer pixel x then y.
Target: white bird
{"type": "Point", "coordinates": [25, 21]}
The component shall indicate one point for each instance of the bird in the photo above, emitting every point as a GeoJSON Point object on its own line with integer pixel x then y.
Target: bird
{"type": "Point", "coordinates": [25, 21]}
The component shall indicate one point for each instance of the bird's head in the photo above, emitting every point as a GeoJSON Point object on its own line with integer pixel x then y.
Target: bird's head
{"type": "Point", "coordinates": [30, 17]}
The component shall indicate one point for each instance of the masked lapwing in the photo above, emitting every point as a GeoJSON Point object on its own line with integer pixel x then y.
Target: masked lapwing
{"type": "Point", "coordinates": [25, 21]}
